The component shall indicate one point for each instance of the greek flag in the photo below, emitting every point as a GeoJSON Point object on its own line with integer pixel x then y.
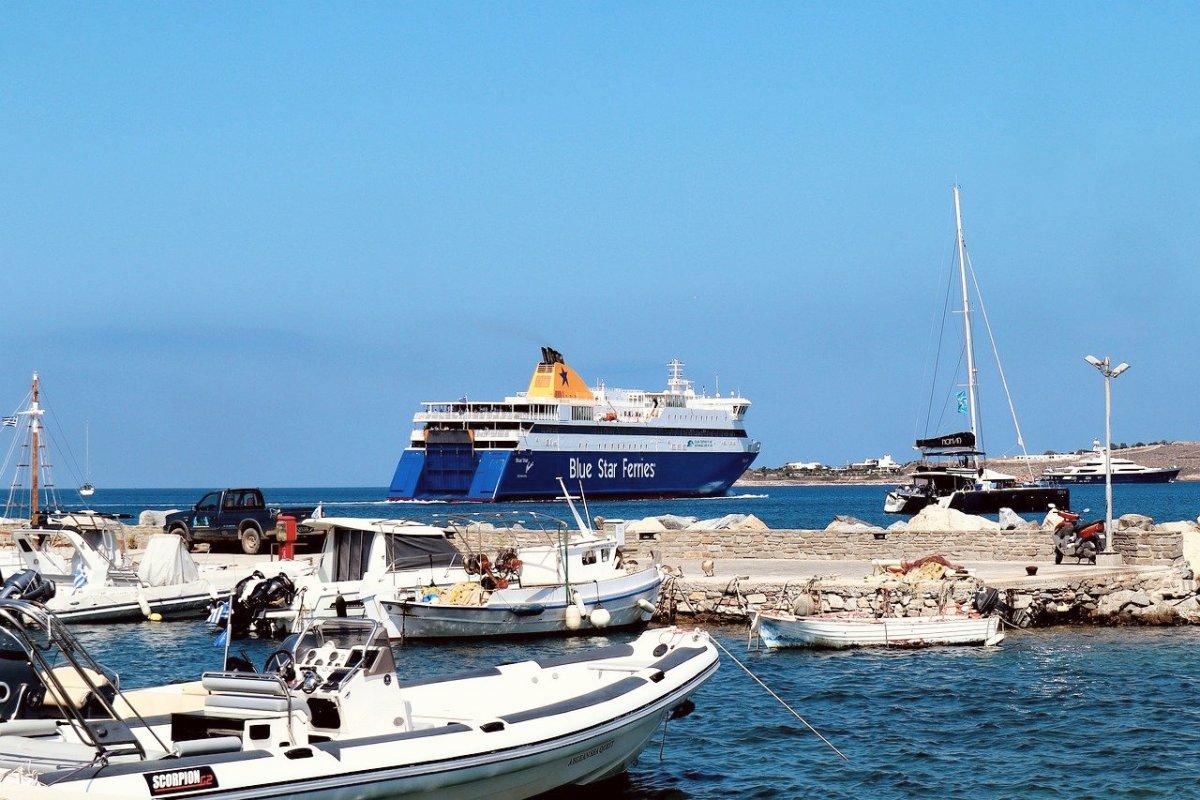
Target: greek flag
{"type": "Point", "coordinates": [962, 402]}
{"type": "Point", "coordinates": [80, 578]}
{"type": "Point", "coordinates": [218, 614]}
{"type": "Point", "coordinates": [10, 422]}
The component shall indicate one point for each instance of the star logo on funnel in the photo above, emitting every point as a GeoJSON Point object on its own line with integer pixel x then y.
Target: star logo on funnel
{"type": "Point", "coordinates": [564, 376]}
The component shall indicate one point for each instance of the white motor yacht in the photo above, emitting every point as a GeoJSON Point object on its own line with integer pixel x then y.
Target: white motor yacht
{"type": "Point", "coordinates": [1091, 470]}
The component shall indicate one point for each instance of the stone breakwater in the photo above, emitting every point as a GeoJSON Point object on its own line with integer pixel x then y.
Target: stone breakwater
{"type": "Point", "coordinates": [831, 570]}
{"type": "Point", "coordinates": [1147, 595]}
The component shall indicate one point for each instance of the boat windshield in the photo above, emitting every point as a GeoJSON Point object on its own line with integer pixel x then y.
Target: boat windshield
{"type": "Point", "coordinates": [361, 636]}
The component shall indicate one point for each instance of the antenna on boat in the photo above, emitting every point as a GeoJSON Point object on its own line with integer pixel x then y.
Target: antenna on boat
{"type": "Point", "coordinates": [972, 375]}
{"type": "Point", "coordinates": [583, 497]}
{"type": "Point", "coordinates": [571, 504]}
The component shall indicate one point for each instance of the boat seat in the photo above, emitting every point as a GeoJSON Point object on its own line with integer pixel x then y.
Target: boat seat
{"type": "Point", "coordinates": [248, 693]}
{"type": "Point", "coordinates": [77, 691]}
{"type": "Point", "coordinates": [43, 755]}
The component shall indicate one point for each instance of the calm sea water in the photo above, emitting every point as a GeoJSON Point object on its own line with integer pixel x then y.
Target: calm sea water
{"type": "Point", "coordinates": [778, 506]}
{"type": "Point", "coordinates": [1069, 713]}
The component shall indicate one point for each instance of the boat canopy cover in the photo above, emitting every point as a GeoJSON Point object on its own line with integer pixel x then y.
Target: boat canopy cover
{"type": "Point", "coordinates": [415, 549]}
{"type": "Point", "coordinates": [167, 562]}
{"type": "Point", "coordinates": [951, 443]}
{"type": "Point", "coordinates": [414, 552]}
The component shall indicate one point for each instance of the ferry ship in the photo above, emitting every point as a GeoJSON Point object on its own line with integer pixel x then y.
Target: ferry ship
{"type": "Point", "coordinates": [617, 443]}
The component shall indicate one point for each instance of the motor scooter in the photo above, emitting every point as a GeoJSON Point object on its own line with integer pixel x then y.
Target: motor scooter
{"type": "Point", "coordinates": [1078, 540]}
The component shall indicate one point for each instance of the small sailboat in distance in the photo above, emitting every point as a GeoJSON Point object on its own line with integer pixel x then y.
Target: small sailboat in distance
{"type": "Point", "coordinates": [87, 489]}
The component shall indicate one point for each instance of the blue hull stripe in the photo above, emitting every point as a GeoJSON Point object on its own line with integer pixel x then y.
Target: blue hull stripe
{"type": "Point", "coordinates": [529, 475]}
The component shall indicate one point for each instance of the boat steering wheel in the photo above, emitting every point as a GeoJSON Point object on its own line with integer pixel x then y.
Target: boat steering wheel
{"type": "Point", "coordinates": [282, 663]}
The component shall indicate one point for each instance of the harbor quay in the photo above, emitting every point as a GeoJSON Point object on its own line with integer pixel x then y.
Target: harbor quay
{"type": "Point", "coordinates": [851, 567]}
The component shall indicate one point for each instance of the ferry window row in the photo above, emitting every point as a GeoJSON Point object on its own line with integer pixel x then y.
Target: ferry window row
{"type": "Point", "coordinates": [608, 430]}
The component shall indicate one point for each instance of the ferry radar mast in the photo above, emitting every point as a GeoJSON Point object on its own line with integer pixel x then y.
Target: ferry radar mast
{"type": "Point", "coordinates": [676, 383]}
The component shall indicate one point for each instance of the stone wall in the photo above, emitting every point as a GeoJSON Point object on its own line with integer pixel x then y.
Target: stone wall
{"type": "Point", "coordinates": [1148, 548]}
{"type": "Point", "coordinates": [1018, 545]}
{"type": "Point", "coordinates": [1155, 596]}
{"type": "Point", "coordinates": [1138, 547]}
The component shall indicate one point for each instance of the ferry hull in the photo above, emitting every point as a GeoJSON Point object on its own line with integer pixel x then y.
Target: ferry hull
{"type": "Point", "coordinates": [498, 475]}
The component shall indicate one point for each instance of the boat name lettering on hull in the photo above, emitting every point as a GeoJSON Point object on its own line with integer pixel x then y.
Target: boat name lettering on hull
{"type": "Point", "coordinates": [175, 781]}
{"type": "Point", "coordinates": [593, 752]}
{"type": "Point", "coordinates": [603, 469]}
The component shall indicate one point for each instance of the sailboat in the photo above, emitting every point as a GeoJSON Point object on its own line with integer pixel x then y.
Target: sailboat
{"type": "Point", "coordinates": [87, 490]}
{"type": "Point", "coordinates": [965, 483]}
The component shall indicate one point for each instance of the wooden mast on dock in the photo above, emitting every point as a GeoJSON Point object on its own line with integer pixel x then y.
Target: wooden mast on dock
{"type": "Point", "coordinates": [34, 413]}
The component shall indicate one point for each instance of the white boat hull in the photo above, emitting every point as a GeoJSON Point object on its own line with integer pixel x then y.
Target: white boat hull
{"type": "Point", "coordinates": [784, 630]}
{"type": "Point", "coordinates": [513, 612]}
{"type": "Point", "coordinates": [125, 603]}
{"type": "Point", "coordinates": [532, 738]}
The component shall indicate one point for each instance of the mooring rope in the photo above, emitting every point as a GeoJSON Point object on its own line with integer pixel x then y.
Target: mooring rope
{"type": "Point", "coordinates": [778, 699]}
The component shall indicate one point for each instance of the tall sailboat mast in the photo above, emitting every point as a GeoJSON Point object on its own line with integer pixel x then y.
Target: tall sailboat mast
{"type": "Point", "coordinates": [972, 375]}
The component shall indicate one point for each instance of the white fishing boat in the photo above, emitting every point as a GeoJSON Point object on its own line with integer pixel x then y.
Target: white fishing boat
{"type": "Point", "coordinates": [779, 629]}
{"type": "Point", "coordinates": [328, 717]}
{"type": "Point", "coordinates": [360, 558]}
{"type": "Point", "coordinates": [576, 583]}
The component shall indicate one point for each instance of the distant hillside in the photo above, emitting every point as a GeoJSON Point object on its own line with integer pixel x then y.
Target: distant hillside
{"type": "Point", "coordinates": [1185, 455]}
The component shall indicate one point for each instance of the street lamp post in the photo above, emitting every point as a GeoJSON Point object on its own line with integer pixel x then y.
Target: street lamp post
{"type": "Point", "coordinates": [1109, 372]}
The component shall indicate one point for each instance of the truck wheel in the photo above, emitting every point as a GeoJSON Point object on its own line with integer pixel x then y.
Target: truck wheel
{"type": "Point", "coordinates": [183, 533]}
{"type": "Point", "coordinates": [252, 540]}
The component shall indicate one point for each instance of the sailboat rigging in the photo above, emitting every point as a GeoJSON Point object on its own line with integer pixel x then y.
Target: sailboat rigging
{"type": "Point", "coordinates": [87, 489]}
{"type": "Point", "coordinates": [967, 484]}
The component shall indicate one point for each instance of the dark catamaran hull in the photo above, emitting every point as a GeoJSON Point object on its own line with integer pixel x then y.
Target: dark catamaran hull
{"type": "Point", "coordinates": [1022, 500]}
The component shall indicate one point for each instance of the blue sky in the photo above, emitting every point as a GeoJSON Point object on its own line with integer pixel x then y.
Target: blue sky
{"type": "Point", "coordinates": [246, 241]}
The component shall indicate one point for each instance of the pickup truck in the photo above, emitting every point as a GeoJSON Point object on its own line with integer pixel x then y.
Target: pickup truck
{"type": "Point", "coordinates": [233, 514]}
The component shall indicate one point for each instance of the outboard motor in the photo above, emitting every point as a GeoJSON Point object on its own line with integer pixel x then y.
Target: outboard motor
{"type": "Point", "coordinates": [240, 614]}
{"type": "Point", "coordinates": [250, 600]}
{"type": "Point", "coordinates": [276, 592]}
{"type": "Point", "coordinates": [28, 585]}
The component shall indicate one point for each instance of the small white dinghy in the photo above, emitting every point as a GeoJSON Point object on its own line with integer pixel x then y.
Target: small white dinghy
{"type": "Point", "coordinates": [783, 629]}
{"type": "Point", "coordinates": [328, 717]}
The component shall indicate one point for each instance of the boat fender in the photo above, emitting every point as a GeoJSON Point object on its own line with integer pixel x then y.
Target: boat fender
{"type": "Point", "coordinates": [646, 605]}
{"type": "Point", "coordinates": [683, 709]}
{"type": "Point", "coordinates": [339, 606]}
{"type": "Point", "coordinates": [143, 605]}
{"type": "Point", "coordinates": [573, 618]}
{"type": "Point", "coordinates": [600, 617]}
{"type": "Point", "coordinates": [577, 599]}
{"type": "Point", "coordinates": [156, 617]}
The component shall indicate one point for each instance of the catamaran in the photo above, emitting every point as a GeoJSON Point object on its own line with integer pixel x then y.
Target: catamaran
{"type": "Point", "coordinates": [964, 482]}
